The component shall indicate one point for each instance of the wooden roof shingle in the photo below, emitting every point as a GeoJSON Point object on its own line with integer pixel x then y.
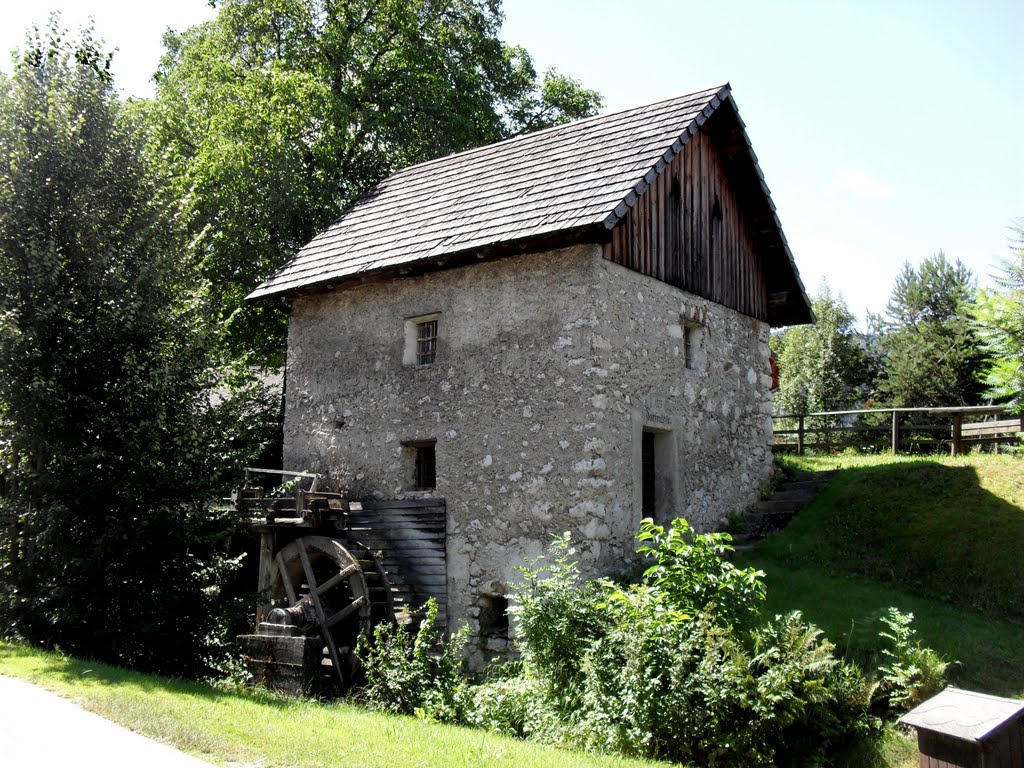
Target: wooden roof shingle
{"type": "Point", "coordinates": [578, 177]}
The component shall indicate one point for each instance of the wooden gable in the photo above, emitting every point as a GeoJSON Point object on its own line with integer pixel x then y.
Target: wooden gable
{"type": "Point", "coordinates": [701, 226]}
{"type": "Point", "coordinates": [671, 189]}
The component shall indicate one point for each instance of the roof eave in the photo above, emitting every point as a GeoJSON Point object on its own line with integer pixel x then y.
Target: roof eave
{"type": "Point", "coordinates": [591, 233]}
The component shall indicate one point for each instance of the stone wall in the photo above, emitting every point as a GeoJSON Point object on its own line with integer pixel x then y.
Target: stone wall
{"type": "Point", "coordinates": [549, 367]}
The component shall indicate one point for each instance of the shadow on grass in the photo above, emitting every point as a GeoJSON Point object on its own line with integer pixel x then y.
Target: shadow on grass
{"type": "Point", "coordinates": [931, 537]}
{"type": "Point", "coordinates": [930, 528]}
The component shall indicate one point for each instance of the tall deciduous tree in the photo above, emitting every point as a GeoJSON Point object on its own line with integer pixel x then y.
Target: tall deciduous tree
{"type": "Point", "coordinates": [930, 353]}
{"type": "Point", "coordinates": [822, 367]}
{"type": "Point", "coordinates": [107, 414]}
{"type": "Point", "coordinates": [275, 116]}
{"type": "Point", "coordinates": [1000, 323]}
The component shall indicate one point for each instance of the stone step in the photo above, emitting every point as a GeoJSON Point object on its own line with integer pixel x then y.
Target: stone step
{"type": "Point", "coordinates": [799, 494]}
{"type": "Point", "coordinates": [776, 512]}
{"type": "Point", "coordinates": [800, 485]}
{"type": "Point", "coordinates": [771, 506]}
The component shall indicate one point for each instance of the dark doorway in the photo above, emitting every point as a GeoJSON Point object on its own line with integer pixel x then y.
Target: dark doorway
{"type": "Point", "coordinates": [647, 464]}
{"type": "Point", "coordinates": [426, 467]}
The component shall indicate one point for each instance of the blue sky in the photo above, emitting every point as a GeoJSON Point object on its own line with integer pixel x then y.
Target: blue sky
{"type": "Point", "coordinates": [886, 130]}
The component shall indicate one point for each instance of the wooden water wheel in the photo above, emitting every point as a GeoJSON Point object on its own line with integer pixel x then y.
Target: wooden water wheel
{"type": "Point", "coordinates": [337, 590]}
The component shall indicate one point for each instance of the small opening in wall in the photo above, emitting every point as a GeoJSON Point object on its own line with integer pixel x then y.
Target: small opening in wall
{"type": "Point", "coordinates": [691, 344]}
{"type": "Point", "coordinates": [426, 467]}
{"type": "Point", "coordinates": [421, 340]}
{"type": "Point", "coordinates": [647, 470]}
{"type": "Point", "coordinates": [493, 616]}
{"type": "Point", "coordinates": [423, 455]}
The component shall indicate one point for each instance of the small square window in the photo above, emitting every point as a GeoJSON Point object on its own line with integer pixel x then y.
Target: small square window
{"type": "Point", "coordinates": [426, 342]}
{"type": "Point", "coordinates": [420, 340]}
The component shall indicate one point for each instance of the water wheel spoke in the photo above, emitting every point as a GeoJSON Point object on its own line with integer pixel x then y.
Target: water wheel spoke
{"type": "Point", "coordinates": [318, 607]}
{"type": "Point", "coordinates": [334, 581]}
{"type": "Point", "coordinates": [355, 605]}
{"type": "Point", "coordinates": [337, 590]}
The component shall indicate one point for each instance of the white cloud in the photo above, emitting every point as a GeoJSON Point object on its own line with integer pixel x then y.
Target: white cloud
{"type": "Point", "coordinates": [859, 184]}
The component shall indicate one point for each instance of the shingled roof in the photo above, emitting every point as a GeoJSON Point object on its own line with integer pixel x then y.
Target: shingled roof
{"type": "Point", "coordinates": [575, 181]}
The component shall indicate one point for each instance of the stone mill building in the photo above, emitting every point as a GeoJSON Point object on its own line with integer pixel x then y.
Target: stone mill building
{"type": "Point", "coordinates": [563, 331]}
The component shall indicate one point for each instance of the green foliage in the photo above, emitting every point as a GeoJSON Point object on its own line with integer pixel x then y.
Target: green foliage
{"type": "Point", "coordinates": [930, 353]}
{"type": "Point", "coordinates": [824, 366]}
{"type": "Point", "coordinates": [274, 117]}
{"type": "Point", "coordinates": [405, 675]}
{"type": "Point", "coordinates": [666, 669]}
{"type": "Point", "coordinates": [510, 703]}
{"type": "Point", "coordinates": [108, 420]}
{"type": "Point", "coordinates": [999, 321]}
{"type": "Point", "coordinates": [910, 673]}
{"type": "Point", "coordinates": [692, 574]}
{"type": "Point", "coordinates": [557, 614]}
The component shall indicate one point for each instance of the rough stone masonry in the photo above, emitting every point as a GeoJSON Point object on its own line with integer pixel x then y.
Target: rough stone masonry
{"type": "Point", "coordinates": [549, 370]}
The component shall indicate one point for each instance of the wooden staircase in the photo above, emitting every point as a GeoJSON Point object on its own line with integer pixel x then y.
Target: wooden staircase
{"type": "Point", "coordinates": [775, 513]}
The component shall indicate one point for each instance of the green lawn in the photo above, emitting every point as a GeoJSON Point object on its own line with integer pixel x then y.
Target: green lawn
{"type": "Point", "coordinates": [940, 537]}
{"type": "Point", "coordinates": [263, 730]}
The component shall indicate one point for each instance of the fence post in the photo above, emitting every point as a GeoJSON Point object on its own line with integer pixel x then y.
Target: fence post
{"type": "Point", "coordinates": [895, 431]}
{"type": "Point", "coordinates": [955, 447]}
{"type": "Point", "coordinates": [800, 436]}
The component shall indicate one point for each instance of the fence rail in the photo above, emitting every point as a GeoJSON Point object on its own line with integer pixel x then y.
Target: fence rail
{"type": "Point", "coordinates": [907, 428]}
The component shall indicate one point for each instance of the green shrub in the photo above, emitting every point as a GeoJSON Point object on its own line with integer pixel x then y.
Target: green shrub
{"type": "Point", "coordinates": [507, 702]}
{"type": "Point", "coordinates": [805, 702]}
{"type": "Point", "coordinates": [657, 687]}
{"type": "Point", "coordinates": [668, 668]}
{"type": "Point", "coordinates": [693, 575]}
{"type": "Point", "coordinates": [557, 618]}
{"type": "Point", "coordinates": [416, 674]}
{"type": "Point", "coordinates": [705, 692]}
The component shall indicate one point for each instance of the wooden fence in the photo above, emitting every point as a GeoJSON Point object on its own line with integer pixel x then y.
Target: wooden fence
{"type": "Point", "coordinates": [899, 429]}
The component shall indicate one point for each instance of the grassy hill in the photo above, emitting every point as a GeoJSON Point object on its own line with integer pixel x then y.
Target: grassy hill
{"type": "Point", "coordinates": [940, 537]}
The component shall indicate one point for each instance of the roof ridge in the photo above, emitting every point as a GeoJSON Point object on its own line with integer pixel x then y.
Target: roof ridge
{"type": "Point", "coordinates": [713, 91]}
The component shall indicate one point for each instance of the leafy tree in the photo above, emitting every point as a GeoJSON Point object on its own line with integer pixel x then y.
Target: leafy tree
{"type": "Point", "coordinates": [999, 319]}
{"type": "Point", "coordinates": [930, 353]}
{"type": "Point", "coordinates": [822, 367]}
{"type": "Point", "coordinates": [108, 420]}
{"type": "Point", "coordinates": [276, 116]}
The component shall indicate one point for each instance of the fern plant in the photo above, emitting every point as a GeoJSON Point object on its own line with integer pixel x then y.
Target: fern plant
{"type": "Point", "coordinates": [911, 672]}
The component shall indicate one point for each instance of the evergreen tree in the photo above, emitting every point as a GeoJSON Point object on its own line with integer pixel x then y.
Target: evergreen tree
{"type": "Point", "coordinates": [1000, 323]}
{"type": "Point", "coordinates": [930, 354]}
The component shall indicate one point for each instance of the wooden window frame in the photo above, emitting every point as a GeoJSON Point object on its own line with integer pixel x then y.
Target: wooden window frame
{"type": "Point", "coordinates": [426, 342]}
{"type": "Point", "coordinates": [422, 339]}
